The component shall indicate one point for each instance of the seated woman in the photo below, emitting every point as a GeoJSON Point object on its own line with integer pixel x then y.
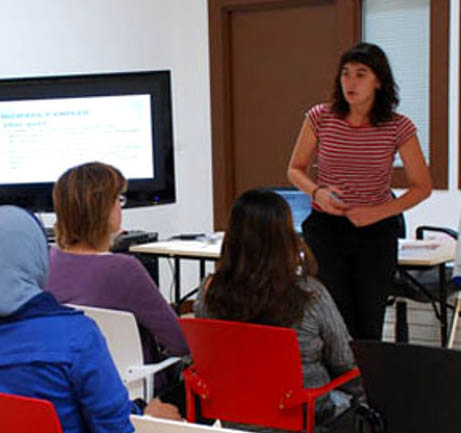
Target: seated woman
{"type": "Point", "coordinates": [84, 272]}
{"type": "Point", "coordinates": [54, 352]}
{"type": "Point", "coordinates": [265, 276]}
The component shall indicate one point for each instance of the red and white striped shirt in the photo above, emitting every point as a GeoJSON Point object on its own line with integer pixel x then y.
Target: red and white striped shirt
{"type": "Point", "coordinates": [357, 160]}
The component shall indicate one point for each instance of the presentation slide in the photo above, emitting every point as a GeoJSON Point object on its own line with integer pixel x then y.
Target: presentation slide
{"type": "Point", "coordinates": [40, 139]}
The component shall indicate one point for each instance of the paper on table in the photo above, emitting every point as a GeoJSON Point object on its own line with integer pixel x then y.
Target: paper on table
{"type": "Point", "coordinates": [411, 244]}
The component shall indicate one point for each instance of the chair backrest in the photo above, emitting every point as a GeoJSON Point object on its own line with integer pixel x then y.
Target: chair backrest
{"type": "Point", "coordinates": [27, 415]}
{"type": "Point", "coordinates": [416, 389]}
{"type": "Point", "coordinates": [248, 368]}
{"type": "Point", "coordinates": [123, 340]}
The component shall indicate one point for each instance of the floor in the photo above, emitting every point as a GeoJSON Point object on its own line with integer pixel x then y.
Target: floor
{"type": "Point", "coordinates": [424, 328]}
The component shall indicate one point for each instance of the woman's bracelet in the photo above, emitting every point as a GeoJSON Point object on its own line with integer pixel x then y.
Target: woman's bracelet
{"type": "Point", "coordinates": [314, 192]}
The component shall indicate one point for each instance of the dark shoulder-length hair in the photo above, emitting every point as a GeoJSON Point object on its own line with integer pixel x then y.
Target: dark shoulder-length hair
{"type": "Point", "coordinates": [83, 198]}
{"type": "Point", "coordinates": [263, 262]}
{"type": "Point", "coordinates": [386, 97]}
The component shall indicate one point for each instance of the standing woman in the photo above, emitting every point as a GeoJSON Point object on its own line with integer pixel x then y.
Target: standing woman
{"type": "Point", "coordinates": [352, 229]}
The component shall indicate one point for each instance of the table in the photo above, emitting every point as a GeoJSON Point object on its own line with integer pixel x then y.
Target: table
{"type": "Point", "coordinates": [423, 254]}
{"type": "Point", "coordinates": [413, 254]}
{"type": "Point", "coordinates": [416, 252]}
{"type": "Point", "coordinates": [201, 250]}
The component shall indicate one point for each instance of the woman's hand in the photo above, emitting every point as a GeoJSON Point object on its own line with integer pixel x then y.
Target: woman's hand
{"type": "Point", "coordinates": [328, 198]}
{"type": "Point", "coordinates": [157, 408]}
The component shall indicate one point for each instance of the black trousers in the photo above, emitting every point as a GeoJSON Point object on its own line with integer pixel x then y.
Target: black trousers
{"type": "Point", "coordinates": [357, 265]}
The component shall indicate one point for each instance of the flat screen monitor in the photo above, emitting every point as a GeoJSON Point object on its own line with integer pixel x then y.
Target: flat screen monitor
{"type": "Point", "coordinates": [50, 124]}
{"type": "Point", "coordinates": [299, 203]}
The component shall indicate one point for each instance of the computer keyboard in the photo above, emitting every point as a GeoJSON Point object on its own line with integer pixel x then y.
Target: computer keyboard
{"type": "Point", "coordinates": [126, 239]}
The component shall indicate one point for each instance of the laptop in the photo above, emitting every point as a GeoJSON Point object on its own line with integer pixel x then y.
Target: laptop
{"type": "Point", "coordinates": [299, 203]}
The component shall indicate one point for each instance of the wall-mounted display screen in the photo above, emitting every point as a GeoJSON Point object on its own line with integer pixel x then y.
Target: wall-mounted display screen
{"type": "Point", "coordinates": [50, 124]}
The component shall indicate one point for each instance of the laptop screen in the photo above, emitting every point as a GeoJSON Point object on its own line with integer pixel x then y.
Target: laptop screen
{"type": "Point", "coordinates": [299, 203]}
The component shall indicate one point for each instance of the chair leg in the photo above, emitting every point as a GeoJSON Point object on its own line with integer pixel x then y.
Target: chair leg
{"type": "Point", "coordinates": [190, 405]}
{"type": "Point", "coordinates": [401, 322]}
{"type": "Point", "coordinates": [454, 323]}
{"type": "Point", "coordinates": [310, 416]}
{"type": "Point", "coordinates": [149, 388]}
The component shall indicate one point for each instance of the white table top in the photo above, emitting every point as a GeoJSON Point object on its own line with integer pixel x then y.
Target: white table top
{"type": "Point", "coordinates": [411, 252]}
{"type": "Point", "coordinates": [180, 248]}
{"type": "Point", "coordinates": [425, 252]}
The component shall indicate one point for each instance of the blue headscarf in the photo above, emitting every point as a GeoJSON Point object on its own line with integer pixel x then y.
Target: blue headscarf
{"type": "Point", "coordinates": [24, 259]}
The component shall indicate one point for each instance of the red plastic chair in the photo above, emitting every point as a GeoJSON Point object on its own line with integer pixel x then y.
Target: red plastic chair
{"type": "Point", "coordinates": [250, 374]}
{"type": "Point", "coordinates": [27, 415]}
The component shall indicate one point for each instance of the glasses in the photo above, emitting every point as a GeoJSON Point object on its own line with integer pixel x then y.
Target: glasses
{"type": "Point", "coordinates": [122, 199]}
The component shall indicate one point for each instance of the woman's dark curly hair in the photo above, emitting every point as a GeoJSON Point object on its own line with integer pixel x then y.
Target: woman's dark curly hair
{"type": "Point", "coordinates": [263, 262]}
{"type": "Point", "coordinates": [386, 97]}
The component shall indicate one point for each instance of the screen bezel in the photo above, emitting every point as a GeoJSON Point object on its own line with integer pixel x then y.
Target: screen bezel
{"type": "Point", "coordinates": [141, 192]}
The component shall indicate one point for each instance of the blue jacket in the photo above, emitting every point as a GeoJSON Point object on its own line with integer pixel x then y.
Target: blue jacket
{"type": "Point", "coordinates": [56, 353]}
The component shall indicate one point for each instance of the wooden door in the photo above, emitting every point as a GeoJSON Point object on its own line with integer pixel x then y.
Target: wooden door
{"type": "Point", "coordinates": [270, 60]}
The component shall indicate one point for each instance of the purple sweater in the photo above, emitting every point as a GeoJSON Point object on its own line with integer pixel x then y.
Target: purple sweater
{"type": "Point", "coordinates": [119, 282]}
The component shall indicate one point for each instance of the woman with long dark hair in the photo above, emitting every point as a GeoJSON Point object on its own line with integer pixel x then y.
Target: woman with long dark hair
{"type": "Point", "coordinates": [266, 276]}
{"type": "Point", "coordinates": [353, 228]}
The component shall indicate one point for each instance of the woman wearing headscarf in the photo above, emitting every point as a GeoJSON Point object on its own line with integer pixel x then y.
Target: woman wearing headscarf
{"type": "Point", "coordinates": [51, 351]}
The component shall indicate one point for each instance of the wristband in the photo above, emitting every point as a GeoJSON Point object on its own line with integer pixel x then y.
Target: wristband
{"type": "Point", "coordinates": [314, 192]}
{"type": "Point", "coordinates": [137, 406]}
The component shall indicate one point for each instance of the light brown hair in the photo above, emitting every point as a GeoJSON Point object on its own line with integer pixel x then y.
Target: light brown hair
{"type": "Point", "coordinates": [83, 199]}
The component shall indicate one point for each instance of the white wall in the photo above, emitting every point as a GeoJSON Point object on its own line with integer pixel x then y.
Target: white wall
{"type": "Point", "coordinates": [54, 37]}
{"type": "Point", "coordinates": [443, 207]}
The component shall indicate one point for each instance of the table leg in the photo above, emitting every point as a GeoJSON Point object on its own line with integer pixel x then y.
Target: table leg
{"type": "Point", "coordinates": [202, 269]}
{"type": "Point", "coordinates": [443, 304]}
{"type": "Point", "coordinates": [177, 280]}
{"type": "Point", "coordinates": [401, 322]}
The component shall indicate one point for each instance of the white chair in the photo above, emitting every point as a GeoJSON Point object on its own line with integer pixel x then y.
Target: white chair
{"type": "Point", "coordinates": [148, 424]}
{"type": "Point", "coordinates": [122, 336]}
